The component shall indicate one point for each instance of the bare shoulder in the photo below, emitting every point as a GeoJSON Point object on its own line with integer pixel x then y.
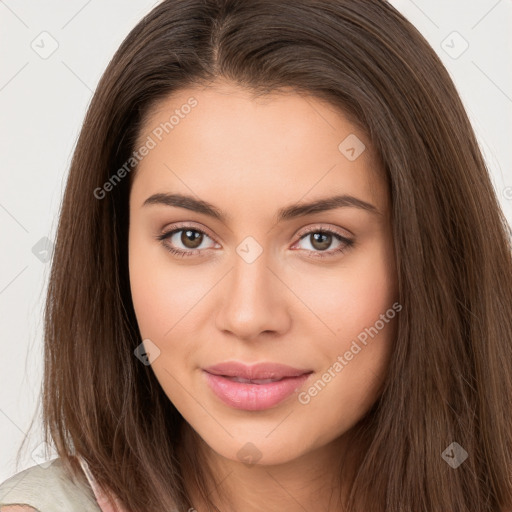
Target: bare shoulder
{"type": "Point", "coordinates": [17, 508]}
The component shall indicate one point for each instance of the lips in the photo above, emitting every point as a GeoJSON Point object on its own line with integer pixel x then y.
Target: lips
{"type": "Point", "coordinates": [251, 381]}
{"type": "Point", "coordinates": [254, 388]}
{"type": "Point", "coordinates": [259, 371]}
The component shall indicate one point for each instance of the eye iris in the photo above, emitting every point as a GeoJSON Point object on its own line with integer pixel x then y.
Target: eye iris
{"type": "Point", "coordinates": [325, 242]}
{"type": "Point", "coordinates": [191, 238]}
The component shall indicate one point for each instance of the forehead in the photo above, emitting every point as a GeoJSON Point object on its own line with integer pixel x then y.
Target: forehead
{"type": "Point", "coordinates": [222, 140]}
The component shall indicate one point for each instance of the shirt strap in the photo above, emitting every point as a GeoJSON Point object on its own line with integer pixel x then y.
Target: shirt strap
{"type": "Point", "coordinates": [103, 501]}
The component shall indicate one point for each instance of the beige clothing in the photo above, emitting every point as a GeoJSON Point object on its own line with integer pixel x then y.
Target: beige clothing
{"type": "Point", "coordinates": [50, 489]}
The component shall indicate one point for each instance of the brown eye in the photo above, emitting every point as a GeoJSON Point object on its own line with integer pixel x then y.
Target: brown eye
{"type": "Point", "coordinates": [185, 241]}
{"type": "Point", "coordinates": [320, 240]}
{"type": "Point", "coordinates": [191, 238]}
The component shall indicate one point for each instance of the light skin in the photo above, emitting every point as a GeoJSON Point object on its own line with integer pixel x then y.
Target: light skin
{"type": "Point", "coordinates": [250, 158]}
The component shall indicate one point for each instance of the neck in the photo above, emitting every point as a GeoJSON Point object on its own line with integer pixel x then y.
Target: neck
{"type": "Point", "coordinates": [311, 481]}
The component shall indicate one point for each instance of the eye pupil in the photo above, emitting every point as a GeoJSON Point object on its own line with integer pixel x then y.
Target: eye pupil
{"type": "Point", "coordinates": [324, 244]}
{"type": "Point", "coordinates": [191, 238]}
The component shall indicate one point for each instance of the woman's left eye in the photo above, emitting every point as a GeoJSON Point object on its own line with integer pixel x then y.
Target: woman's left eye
{"type": "Point", "coordinates": [192, 238]}
{"type": "Point", "coordinates": [322, 238]}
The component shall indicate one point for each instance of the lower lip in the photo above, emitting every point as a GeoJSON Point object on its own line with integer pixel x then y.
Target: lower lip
{"type": "Point", "coordinates": [253, 397]}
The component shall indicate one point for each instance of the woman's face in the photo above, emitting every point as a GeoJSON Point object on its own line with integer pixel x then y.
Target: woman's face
{"type": "Point", "coordinates": [312, 288]}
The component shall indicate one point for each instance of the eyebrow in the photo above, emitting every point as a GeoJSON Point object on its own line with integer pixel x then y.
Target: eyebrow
{"type": "Point", "coordinates": [289, 212]}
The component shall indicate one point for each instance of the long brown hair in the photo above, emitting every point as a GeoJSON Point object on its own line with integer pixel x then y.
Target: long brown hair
{"type": "Point", "coordinates": [450, 377]}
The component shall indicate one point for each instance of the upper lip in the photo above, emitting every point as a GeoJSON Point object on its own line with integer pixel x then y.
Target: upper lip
{"type": "Point", "coordinates": [255, 371]}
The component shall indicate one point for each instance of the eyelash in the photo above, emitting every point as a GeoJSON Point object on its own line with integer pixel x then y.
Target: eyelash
{"type": "Point", "coordinates": [315, 254]}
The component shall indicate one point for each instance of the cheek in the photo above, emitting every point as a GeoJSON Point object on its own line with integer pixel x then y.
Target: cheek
{"type": "Point", "coordinates": [352, 297]}
{"type": "Point", "coordinates": [163, 294]}
{"type": "Point", "coordinates": [151, 304]}
{"type": "Point", "coordinates": [358, 322]}
{"type": "Point", "coordinates": [164, 297]}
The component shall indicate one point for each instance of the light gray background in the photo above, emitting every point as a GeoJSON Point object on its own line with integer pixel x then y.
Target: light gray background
{"type": "Point", "coordinates": [43, 102]}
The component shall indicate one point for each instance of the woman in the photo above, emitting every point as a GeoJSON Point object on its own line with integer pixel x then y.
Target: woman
{"type": "Point", "coordinates": [282, 279]}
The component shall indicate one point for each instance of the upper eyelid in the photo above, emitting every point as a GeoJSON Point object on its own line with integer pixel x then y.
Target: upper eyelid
{"type": "Point", "coordinates": [184, 225]}
{"type": "Point", "coordinates": [320, 227]}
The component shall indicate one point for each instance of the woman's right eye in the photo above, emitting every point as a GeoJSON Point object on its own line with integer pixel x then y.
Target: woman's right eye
{"type": "Point", "coordinates": [189, 237]}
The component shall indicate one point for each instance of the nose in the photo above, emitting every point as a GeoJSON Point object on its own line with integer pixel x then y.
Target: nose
{"type": "Point", "coordinates": [254, 301]}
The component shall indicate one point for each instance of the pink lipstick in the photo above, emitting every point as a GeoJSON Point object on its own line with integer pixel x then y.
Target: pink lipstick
{"type": "Point", "coordinates": [256, 387]}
